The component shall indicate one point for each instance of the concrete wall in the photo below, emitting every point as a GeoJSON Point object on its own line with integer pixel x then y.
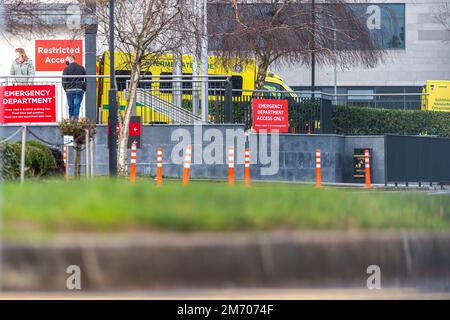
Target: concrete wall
{"type": "Point", "coordinates": [226, 260]}
{"type": "Point", "coordinates": [376, 143]}
{"type": "Point", "coordinates": [295, 160]}
{"type": "Point", "coordinates": [426, 56]}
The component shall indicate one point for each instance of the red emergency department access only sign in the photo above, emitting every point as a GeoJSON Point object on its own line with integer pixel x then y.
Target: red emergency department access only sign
{"type": "Point", "coordinates": [270, 115]}
{"type": "Point", "coordinates": [27, 104]}
{"type": "Point", "coordinates": [50, 55]}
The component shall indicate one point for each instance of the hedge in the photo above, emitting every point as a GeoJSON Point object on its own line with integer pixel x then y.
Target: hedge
{"type": "Point", "coordinates": [370, 121]}
{"type": "Point", "coordinates": [39, 160]}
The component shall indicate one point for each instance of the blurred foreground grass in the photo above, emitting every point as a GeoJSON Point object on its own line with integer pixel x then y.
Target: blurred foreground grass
{"type": "Point", "coordinates": [109, 206]}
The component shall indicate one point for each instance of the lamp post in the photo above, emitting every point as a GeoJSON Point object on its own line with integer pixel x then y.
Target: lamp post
{"type": "Point", "coordinates": [204, 62]}
{"type": "Point", "coordinates": [313, 53]}
{"type": "Point", "coordinates": [195, 62]}
{"type": "Point", "coordinates": [112, 116]}
{"type": "Point", "coordinates": [335, 68]}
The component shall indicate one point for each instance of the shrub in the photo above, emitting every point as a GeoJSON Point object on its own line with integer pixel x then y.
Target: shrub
{"type": "Point", "coordinates": [41, 157]}
{"type": "Point", "coordinates": [10, 161]}
{"type": "Point", "coordinates": [58, 156]}
{"type": "Point", "coordinates": [39, 160]}
{"type": "Point", "coordinates": [370, 121]}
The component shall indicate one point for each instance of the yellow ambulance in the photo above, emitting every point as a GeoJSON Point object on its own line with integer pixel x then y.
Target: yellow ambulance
{"type": "Point", "coordinates": [243, 77]}
{"type": "Point", "coordinates": [436, 96]}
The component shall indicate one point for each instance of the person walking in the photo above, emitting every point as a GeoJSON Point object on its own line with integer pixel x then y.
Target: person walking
{"type": "Point", "coordinates": [22, 66]}
{"type": "Point", "coordinates": [74, 86]}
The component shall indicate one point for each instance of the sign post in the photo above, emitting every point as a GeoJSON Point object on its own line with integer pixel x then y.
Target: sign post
{"type": "Point", "coordinates": [22, 154]}
{"type": "Point", "coordinates": [270, 115]}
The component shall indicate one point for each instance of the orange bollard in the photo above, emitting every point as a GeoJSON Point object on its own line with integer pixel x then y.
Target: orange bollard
{"type": "Point", "coordinates": [367, 169]}
{"type": "Point", "coordinates": [318, 170]}
{"type": "Point", "coordinates": [247, 167]}
{"type": "Point", "coordinates": [187, 165]}
{"type": "Point", "coordinates": [231, 166]}
{"type": "Point", "coordinates": [133, 163]}
{"type": "Point", "coordinates": [66, 165]}
{"type": "Point", "coordinates": [159, 167]}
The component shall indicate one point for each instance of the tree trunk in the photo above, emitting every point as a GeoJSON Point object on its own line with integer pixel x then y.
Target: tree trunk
{"type": "Point", "coordinates": [263, 66]}
{"type": "Point", "coordinates": [77, 164]}
{"type": "Point", "coordinates": [122, 148]}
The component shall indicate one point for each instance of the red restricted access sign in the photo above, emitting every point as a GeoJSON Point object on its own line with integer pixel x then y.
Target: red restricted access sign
{"type": "Point", "coordinates": [270, 115]}
{"type": "Point", "coordinates": [27, 104]}
{"type": "Point", "coordinates": [50, 54]}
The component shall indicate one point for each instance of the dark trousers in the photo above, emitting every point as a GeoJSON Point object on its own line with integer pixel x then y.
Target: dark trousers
{"type": "Point", "coordinates": [74, 99]}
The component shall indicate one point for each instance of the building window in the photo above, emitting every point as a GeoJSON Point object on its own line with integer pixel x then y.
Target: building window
{"type": "Point", "coordinates": [217, 87]}
{"type": "Point", "coordinates": [360, 95]}
{"type": "Point", "coordinates": [385, 23]}
{"type": "Point", "coordinates": [122, 81]}
{"type": "Point", "coordinates": [145, 83]}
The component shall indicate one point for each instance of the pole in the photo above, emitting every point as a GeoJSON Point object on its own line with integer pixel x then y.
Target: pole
{"type": "Point", "coordinates": [112, 116]}
{"type": "Point", "coordinates": [159, 167]}
{"type": "Point", "coordinates": [86, 153]}
{"type": "Point", "coordinates": [195, 86]}
{"type": "Point", "coordinates": [91, 145]}
{"type": "Point", "coordinates": [204, 58]}
{"type": "Point", "coordinates": [231, 165]}
{"type": "Point", "coordinates": [187, 164]}
{"type": "Point", "coordinates": [247, 167]}
{"type": "Point", "coordinates": [228, 101]}
{"type": "Point", "coordinates": [177, 71]}
{"type": "Point", "coordinates": [313, 53]}
{"type": "Point", "coordinates": [22, 154]}
{"type": "Point", "coordinates": [318, 170]}
{"type": "Point", "coordinates": [66, 162]}
{"type": "Point", "coordinates": [368, 178]}
{"type": "Point", "coordinates": [195, 62]}
{"type": "Point", "coordinates": [335, 70]}
{"type": "Point", "coordinates": [133, 163]}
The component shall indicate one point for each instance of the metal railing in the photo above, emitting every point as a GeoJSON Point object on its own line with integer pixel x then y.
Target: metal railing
{"type": "Point", "coordinates": [162, 88]}
{"type": "Point", "coordinates": [174, 98]}
{"type": "Point", "coordinates": [60, 97]}
{"type": "Point", "coordinates": [404, 101]}
{"type": "Point", "coordinates": [156, 109]}
{"type": "Point", "coordinates": [305, 115]}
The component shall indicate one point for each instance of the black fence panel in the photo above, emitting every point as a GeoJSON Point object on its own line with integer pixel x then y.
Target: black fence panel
{"type": "Point", "coordinates": [417, 159]}
{"type": "Point", "coordinates": [306, 115]}
{"type": "Point", "coordinates": [326, 114]}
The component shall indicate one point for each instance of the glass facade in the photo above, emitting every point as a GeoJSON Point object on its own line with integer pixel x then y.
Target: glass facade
{"type": "Point", "coordinates": [385, 23]}
{"type": "Point", "coordinates": [407, 98]}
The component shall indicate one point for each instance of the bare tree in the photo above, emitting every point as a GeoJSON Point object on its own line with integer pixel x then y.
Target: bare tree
{"type": "Point", "coordinates": [442, 15]}
{"type": "Point", "coordinates": [27, 19]}
{"type": "Point", "coordinates": [144, 30]}
{"type": "Point", "coordinates": [22, 18]}
{"type": "Point", "coordinates": [272, 31]}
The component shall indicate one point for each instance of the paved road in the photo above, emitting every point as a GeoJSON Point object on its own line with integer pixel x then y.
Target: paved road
{"type": "Point", "coordinates": [236, 294]}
